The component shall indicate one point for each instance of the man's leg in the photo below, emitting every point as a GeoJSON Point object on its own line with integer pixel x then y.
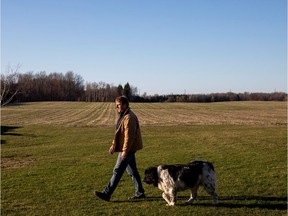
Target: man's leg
{"type": "Point", "coordinates": [117, 174]}
{"type": "Point", "coordinates": [133, 172]}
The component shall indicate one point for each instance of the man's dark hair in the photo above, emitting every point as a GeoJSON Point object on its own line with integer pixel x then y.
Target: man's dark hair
{"type": "Point", "coordinates": [123, 100]}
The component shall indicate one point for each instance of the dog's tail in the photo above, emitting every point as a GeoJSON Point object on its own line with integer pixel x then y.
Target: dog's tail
{"type": "Point", "coordinates": [203, 164]}
{"type": "Point", "coordinates": [208, 164]}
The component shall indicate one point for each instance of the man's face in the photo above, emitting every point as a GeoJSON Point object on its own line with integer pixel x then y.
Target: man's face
{"type": "Point", "coordinates": [120, 107]}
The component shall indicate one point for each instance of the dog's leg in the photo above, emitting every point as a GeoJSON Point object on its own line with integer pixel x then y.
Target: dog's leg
{"type": "Point", "coordinates": [211, 190]}
{"type": "Point", "coordinates": [173, 196]}
{"type": "Point", "coordinates": [170, 197]}
{"type": "Point", "coordinates": [193, 197]}
{"type": "Point", "coordinates": [209, 183]}
{"type": "Point", "coordinates": [215, 198]}
{"type": "Point", "coordinates": [166, 198]}
{"type": "Point", "coordinates": [194, 190]}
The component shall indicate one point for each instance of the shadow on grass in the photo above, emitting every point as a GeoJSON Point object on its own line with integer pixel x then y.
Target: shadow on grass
{"type": "Point", "coordinates": [273, 203]}
{"type": "Point", "coordinates": [6, 131]}
{"type": "Point", "coordinates": [262, 202]}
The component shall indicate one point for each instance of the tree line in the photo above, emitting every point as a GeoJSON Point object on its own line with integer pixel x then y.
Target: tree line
{"type": "Point", "coordinates": [59, 87]}
{"type": "Point", "coordinates": [28, 87]}
{"type": "Point", "coordinates": [221, 97]}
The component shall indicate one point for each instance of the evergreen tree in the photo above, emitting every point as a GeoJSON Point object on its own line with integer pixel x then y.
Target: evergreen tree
{"type": "Point", "coordinates": [127, 91]}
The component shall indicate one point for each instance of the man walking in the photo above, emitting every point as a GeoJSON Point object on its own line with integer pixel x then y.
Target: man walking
{"type": "Point", "coordinates": [127, 141]}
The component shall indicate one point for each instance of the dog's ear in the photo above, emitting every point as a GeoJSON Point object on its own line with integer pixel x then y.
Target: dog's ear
{"type": "Point", "coordinates": [151, 176]}
{"type": "Point", "coordinates": [155, 176]}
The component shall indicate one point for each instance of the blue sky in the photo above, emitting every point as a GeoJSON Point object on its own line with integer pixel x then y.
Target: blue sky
{"type": "Point", "coordinates": [158, 46]}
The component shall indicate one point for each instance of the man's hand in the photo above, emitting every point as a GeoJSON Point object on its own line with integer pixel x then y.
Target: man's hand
{"type": "Point", "coordinates": [112, 149]}
{"type": "Point", "coordinates": [123, 155]}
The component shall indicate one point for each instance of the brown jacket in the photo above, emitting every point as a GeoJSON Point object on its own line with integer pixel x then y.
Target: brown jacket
{"type": "Point", "coordinates": [128, 135]}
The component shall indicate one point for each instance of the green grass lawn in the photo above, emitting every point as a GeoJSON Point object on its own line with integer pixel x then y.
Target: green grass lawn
{"type": "Point", "coordinates": [54, 155]}
{"type": "Point", "coordinates": [48, 170]}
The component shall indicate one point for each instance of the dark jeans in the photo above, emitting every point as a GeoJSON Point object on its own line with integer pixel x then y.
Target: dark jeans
{"type": "Point", "coordinates": [130, 165]}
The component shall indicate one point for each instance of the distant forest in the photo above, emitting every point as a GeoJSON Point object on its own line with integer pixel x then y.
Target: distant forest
{"type": "Point", "coordinates": [40, 86]}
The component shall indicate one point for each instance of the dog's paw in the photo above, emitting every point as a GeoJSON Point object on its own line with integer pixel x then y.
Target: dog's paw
{"type": "Point", "coordinates": [171, 204]}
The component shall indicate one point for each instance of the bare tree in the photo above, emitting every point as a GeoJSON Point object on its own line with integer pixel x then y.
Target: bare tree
{"type": "Point", "coordinates": [9, 85]}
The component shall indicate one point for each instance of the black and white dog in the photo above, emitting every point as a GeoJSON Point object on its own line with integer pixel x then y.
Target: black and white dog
{"type": "Point", "coordinates": [178, 177]}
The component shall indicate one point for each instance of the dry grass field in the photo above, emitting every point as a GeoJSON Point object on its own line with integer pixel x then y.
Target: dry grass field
{"type": "Point", "coordinates": [81, 114]}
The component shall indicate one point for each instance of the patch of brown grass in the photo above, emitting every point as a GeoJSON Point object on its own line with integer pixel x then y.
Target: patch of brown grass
{"type": "Point", "coordinates": [11, 162]}
{"type": "Point", "coordinates": [82, 114]}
